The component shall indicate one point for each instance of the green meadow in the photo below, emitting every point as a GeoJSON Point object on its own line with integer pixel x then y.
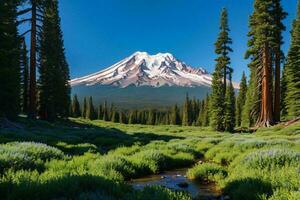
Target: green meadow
{"type": "Point", "coordinates": [82, 159]}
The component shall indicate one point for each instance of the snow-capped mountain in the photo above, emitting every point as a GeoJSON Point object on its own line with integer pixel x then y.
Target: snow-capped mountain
{"type": "Point", "coordinates": [142, 69]}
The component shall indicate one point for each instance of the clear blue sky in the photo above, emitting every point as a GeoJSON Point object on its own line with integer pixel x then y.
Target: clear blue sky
{"type": "Point", "coordinates": [98, 33]}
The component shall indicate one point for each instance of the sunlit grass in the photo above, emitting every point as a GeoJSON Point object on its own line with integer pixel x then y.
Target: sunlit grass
{"type": "Point", "coordinates": [93, 159]}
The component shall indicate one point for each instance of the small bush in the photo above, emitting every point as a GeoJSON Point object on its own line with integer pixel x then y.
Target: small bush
{"type": "Point", "coordinates": [266, 159]}
{"type": "Point", "coordinates": [206, 172]}
{"type": "Point", "coordinates": [77, 149]}
{"type": "Point", "coordinates": [158, 193]}
{"type": "Point", "coordinates": [26, 155]}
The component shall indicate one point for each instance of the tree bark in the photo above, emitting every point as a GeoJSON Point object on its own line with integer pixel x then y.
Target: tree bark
{"type": "Point", "coordinates": [32, 84]}
{"type": "Point", "coordinates": [266, 112]}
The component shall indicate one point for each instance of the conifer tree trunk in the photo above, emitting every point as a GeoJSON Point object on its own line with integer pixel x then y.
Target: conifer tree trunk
{"type": "Point", "coordinates": [266, 114]}
{"type": "Point", "coordinates": [32, 84]}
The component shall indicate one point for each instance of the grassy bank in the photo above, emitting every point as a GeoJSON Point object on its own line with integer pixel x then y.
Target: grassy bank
{"type": "Point", "coordinates": [92, 160]}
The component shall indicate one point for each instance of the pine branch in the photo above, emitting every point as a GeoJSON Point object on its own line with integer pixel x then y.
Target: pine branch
{"type": "Point", "coordinates": [23, 34]}
{"type": "Point", "coordinates": [22, 12]}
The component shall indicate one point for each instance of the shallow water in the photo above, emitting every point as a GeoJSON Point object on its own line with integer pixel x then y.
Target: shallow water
{"type": "Point", "coordinates": [171, 179]}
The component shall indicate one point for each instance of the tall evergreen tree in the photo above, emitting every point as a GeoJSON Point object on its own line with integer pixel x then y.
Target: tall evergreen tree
{"type": "Point", "coordinates": [115, 116]}
{"type": "Point", "coordinates": [229, 111]}
{"type": "Point", "coordinates": [123, 118]}
{"type": "Point", "coordinates": [283, 90]}
{"type": "Point", "coordinates": [105, 112]}
{"type": "Point", "coordinates": [264, 46]}
{"type": "Point", "coordinates": [219, 81]}
{"type": "Point", "coordinates": [9, 60]}
{"type": "Point", "coordinates": [76, 112]}
{"type": "Point", "coordinates": [151, 117]}
{"type": "Point", "coordinates": [24, 77]}
{"type": "Point", "coordinates": [175, 118]}
{"type": "Point", "coordinates": [241, 99]}
{"type": "Point", "coordinates": [90, 111]}
{"type": "Point", "coordinates": [35, 8]}
{"type": "Point", "coordinates": [292, 72]}
{"type": "Point", "coordinates": [251, 108]}
{"type": "Point", "coordinates": [278, 16]}
{"type": "Point", "coordinates": [186, 112]}
{"type": "Point", "coordinates": [100, 112]}
{"type": "Point", "coordinates": [54, 88]}
{"type": "Point", "coordinates": [266, 27]}
{"type": "Point", "coordinates": [84, 108]}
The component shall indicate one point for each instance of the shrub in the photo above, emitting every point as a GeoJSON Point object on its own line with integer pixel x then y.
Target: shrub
{"type": "Point", "coordinates": [26, 155]}
{"type": "Point", "coordinates": [266, 159]}
{"type": "Point", "coordinates": [158, 193]}
{"type": "Point", "coordinates": [206, 172]}
{"type": "Point", "coordinates": [77, 149]}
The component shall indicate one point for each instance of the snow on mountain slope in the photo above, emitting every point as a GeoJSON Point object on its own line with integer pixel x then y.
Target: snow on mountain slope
{"type": "Point", "coordinates": [142, 69]}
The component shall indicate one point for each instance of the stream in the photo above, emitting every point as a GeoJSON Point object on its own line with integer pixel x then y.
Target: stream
{"type": "Point", "coordinates": [176, 180]}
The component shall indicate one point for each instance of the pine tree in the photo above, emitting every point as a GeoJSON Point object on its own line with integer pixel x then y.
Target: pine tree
{"type": "Point", "coordinates": [123, 118]}
{"type": "Point", "coordinates": [264, 51]}
{"type": "Point", "coordinates": [76, 112]}
{"type": "Point", "coordinates": [33, 8]}
{"type": "Point", "coordinates": [151, 117]}
{"type": "Point", "coordinates": [241, 99]}
{"type": "Point", "coordinates": [24, 77]}
{"type": "Point", "coordinates": [251, 109]}
{"type": "Point", "coordinates": [219, 81]}
{"type": "Point", "coordinates": [229, 111]}
{"type": "Point", "coordinates": [283, 90]}
{"type": "Point", "coordinates": [9, 60]}
{"type": "Point", "coordinates": [100, 112]}
{"type": "Point", "coordinates": [186, 112]}
{"type": "Point", "coordinates": [105, 112]}
{"type": "Point", "coordinates": [278, 16]}
{"type": "Point", "coordinates": [90, 112]}
{"type": "Point", "coordinates": [175, 118]}
{"type": "Point", "coordinates": [292, 72]}
{"type": "Point", "coordinates": [54, 88]}
{"type": "Point", "coordinates": [84, 108]}
{"type": "Point", "coordinates": [115, 116]}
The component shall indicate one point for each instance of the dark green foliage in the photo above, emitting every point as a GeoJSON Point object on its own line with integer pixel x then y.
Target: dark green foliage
{"type": "Point", "coordinates": [186, 112]}
{"type": "Point", "coordinates": [203, 118]}
{"type": "Point", "coordinates": [76, 111]}
{"type": "Point", "coordinates": [283, 90]}
{"type": "Point", "coordinates": [105, 112]}
{"type": "Point", "coordinates": [151, 117]}
{"type": "Point", "coordinates": [219, 81]}
{"type": "Point", "coordinates": [262, 107]}
{"type": "Point", "coordinates": [292, 72]}
{"type": "Point", "coordinates": [9, 60]}
{"type": "Point", "coordinates": [54, 89]}
{"type": "Point", "coordinates": [229, 111]}
{"type": "Point", "coordinates": [100, 112]}
{"type": "Point", "coordinates": [115, 116]}
{"type": "Point", "coordinates": [250, 110]}
{"type": "Point", "coordinates": [123, 118]}
{"type": "Point", "coordinates": [84, 108]}
{"type": "Point", "coordinates": [175, 118]}
{"type": "Point", "coordinates": [90, 111]}
{"type": "Point", "coordinates": [241, 99]}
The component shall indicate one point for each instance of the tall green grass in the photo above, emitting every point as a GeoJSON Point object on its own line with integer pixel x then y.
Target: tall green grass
{"type": "Point", "coordinates": [93, 160]}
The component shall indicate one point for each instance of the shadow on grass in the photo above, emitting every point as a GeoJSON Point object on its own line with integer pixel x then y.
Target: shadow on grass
{"type": "Point", "coordinates": [77, 138]}
{"type": "Point", "coordinates": [248, 189]}
{"type": "Point", "coordinates": [65, 187]}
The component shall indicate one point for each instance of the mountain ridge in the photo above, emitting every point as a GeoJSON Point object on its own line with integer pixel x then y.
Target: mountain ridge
{"type": "Point", "coordinates": [142, 69]}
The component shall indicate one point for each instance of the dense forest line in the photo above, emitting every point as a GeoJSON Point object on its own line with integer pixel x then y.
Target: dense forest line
{"type": "Point", "coordinates": [47, 97]}
{"type": "Point", "coordinates": [268, 97]}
